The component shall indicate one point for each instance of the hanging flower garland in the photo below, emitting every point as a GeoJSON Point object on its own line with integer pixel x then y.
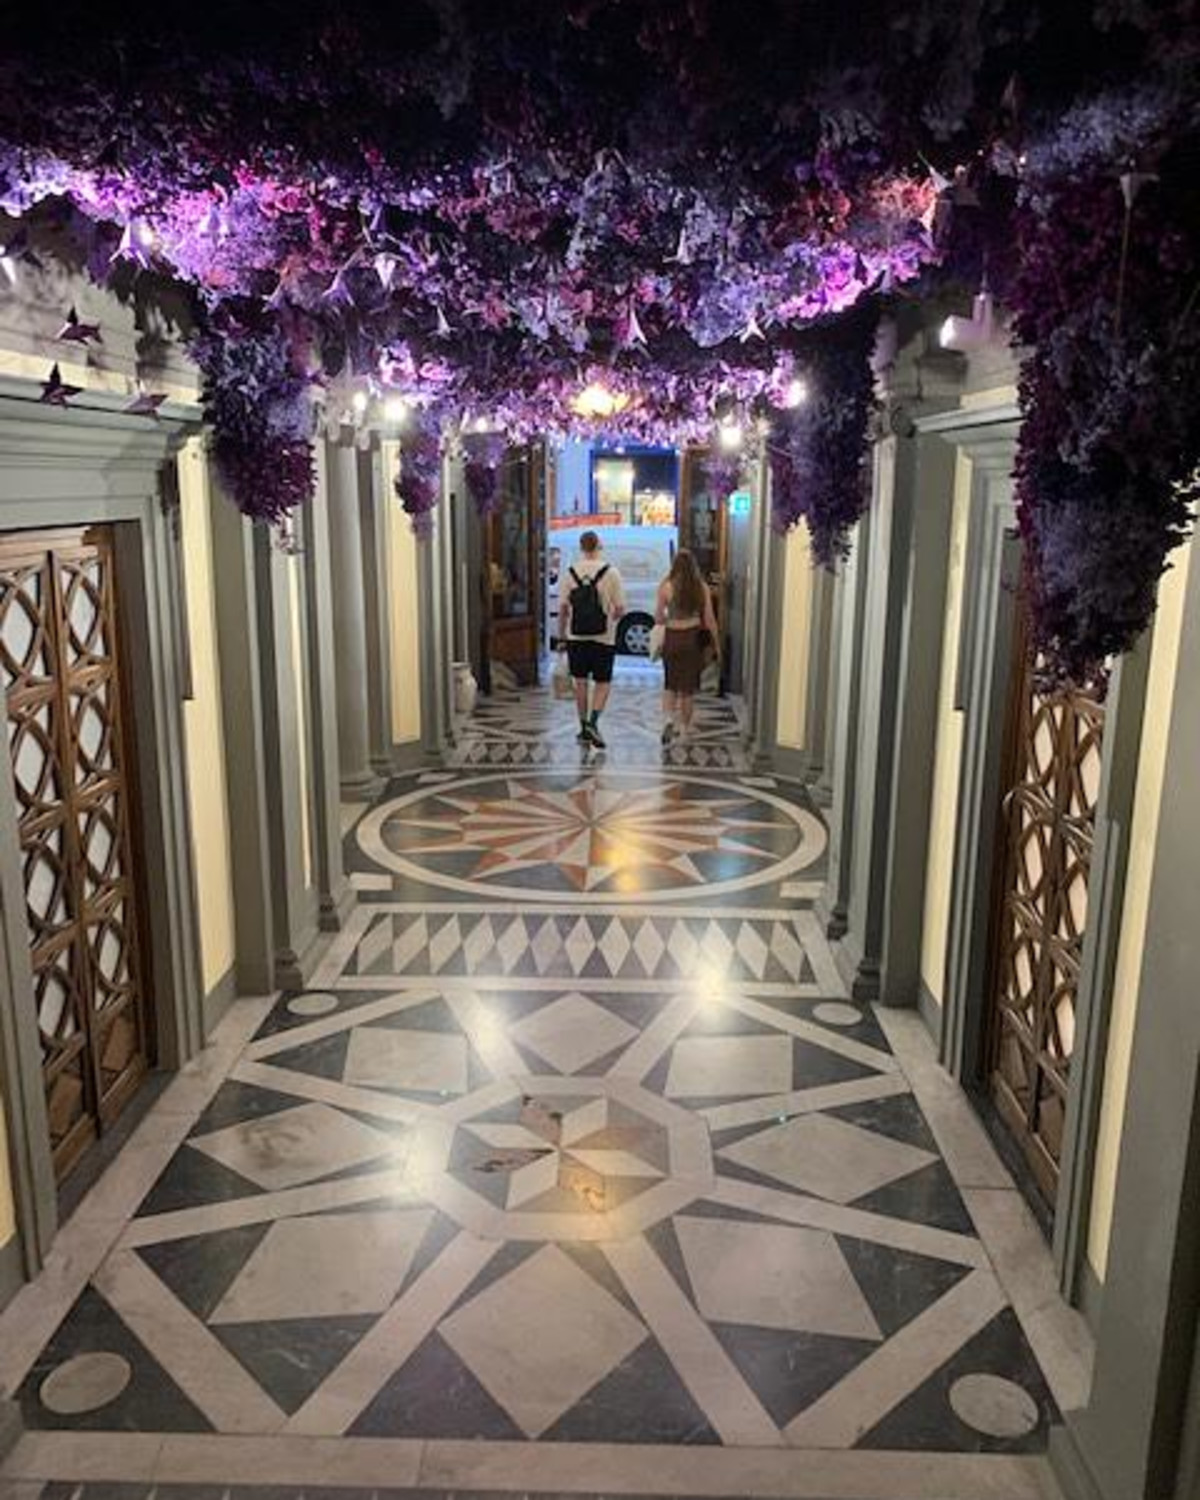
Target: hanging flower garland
{"type": "Point", "coordinates": [260, 409]}
{"type": "Point", "coordinates": [1106, 303]}
{"type": "Point", "coordinates": [483, 456]}
{"type": "Point", "coordinates": [723, 472]}
{"type": "Point", "coordinates": [818, 452]}
{"type": "Point", "coordinates": [418, 482]}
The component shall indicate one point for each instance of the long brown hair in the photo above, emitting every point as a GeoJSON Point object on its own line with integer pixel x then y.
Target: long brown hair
{"type": "Point", "coordinates": [687, 586]}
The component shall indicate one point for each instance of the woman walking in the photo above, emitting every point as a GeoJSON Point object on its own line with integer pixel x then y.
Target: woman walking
{"type": "Point", "coordinates": [684, 608]}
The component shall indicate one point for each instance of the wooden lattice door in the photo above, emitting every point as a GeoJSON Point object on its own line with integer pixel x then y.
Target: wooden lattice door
{"type": "Point", "coordinates": [60, 664]}
{"type": "Point", "coordinates": [1054, 749]}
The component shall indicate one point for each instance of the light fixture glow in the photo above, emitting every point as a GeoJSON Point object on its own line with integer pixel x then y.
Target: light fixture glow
{"type": "Point", "coordinates": [359, 402]}
{"type": "Point", "coordinates": [596, 401]}
{"type": "Point", "coordinates": [729, 435]}
{"type": "Point", "coordinates": [395, 409]}
{"type": "Point", "coordinates": [795, 395]}
{"type": "Point", "coordinates": [964, 334]}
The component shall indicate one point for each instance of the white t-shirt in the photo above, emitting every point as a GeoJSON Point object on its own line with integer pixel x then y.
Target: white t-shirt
{"type": "Point", "coordinates": [611, 591]}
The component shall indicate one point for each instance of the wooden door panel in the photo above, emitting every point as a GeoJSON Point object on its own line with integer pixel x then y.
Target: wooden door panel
{"type": "Point", "coordinates": [60, 662]}
{"type": "Point", "coordinates": [1054, 749]}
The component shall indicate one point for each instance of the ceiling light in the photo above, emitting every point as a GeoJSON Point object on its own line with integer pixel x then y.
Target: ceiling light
{"type": "Point", "coordinates": [359, 402]}
{"type": "Point", "coordinates": [395, 409]}
{"type": "Point", "coordinates": [596, 401]}
{"type": "Point", "coordinates": [729, 435]}
{"type": "Point", "coordinates": [795, 395]}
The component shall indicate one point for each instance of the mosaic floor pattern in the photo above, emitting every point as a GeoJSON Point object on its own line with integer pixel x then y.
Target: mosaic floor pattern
{"type": "Point", "coordinates": [575, 1153]}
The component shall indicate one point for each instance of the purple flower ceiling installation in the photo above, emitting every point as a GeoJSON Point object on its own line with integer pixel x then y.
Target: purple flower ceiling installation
{"type": "Point", "coordinates": [490, 209]}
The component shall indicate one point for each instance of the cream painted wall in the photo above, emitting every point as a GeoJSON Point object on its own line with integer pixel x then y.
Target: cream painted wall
{"type": "Point", "coordinates": [1143, 833]}
{"type": "Point", "coordinates": [947, 765]}
{"type": "Point", "coordinates": [8, 1213]}
{"type": "Point", "coordinates": [204, 727]}
{"type": "Point", "coordinates": [795, 637]}
{"type": "Point", "coordinates": [406, 620]}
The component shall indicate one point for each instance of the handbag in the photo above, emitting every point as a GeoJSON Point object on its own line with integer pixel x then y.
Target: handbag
{"type": "Point", "coordinates": [658, 640]}
{"type": "Point", "coordinates": [560, 680]}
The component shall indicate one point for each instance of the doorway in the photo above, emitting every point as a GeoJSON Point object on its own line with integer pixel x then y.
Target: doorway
{"type": "Point", "coordinates": [62, 665]}
{"type": "Point", "coordinates": [513, 589]}
{"type": "Point", "coordinates": [1053, 748]}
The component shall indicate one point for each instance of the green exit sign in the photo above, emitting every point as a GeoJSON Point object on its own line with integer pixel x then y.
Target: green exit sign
{"type": "Point", "coordinates": [739, 503]}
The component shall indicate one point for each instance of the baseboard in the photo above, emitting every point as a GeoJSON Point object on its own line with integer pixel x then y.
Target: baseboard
{"type": "Point", "coordinates": [1071, 1468]}
{"type": "Point", "coordinates": [930, 1012]}
{"type": "Point", "coordinates": [11, 1426]}
{"type": "Point", "coordinates": [1090, 1296]}
{"type": "Point", "coordinates": [218, 1000]}
{"type": "Point", "coordinates": [786, 760]}
{"type": "Point", "coordinates": [12, 1273]}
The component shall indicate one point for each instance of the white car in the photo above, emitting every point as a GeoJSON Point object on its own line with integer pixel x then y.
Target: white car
{"type": "Point", "coordinates": [641, 554]}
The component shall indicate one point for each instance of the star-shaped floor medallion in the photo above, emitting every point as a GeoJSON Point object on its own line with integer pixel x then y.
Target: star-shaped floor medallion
{"type": "Point", "coordinates": [598, 836]}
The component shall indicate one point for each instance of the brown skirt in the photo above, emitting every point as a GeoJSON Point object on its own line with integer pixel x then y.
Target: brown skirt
{"type": "Point", "coordinates": [683, 659]}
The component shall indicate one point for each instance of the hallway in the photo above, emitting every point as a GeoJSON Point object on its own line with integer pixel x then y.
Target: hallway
{"type": "Point", "coordinates": [573, 1171]}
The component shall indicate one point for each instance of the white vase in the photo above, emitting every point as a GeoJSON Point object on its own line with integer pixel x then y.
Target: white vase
{"type": "Point", "coordinates": [466, 689]}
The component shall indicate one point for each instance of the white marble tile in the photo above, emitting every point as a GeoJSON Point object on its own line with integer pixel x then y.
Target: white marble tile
{"type": "Point", "coordinates": [768, 1276]}
{"type": "Point", "coordinates": [98, 1457]}
{"type": "Point", "coordinates": [288, 1461]}
{"type": "Point", "coordinates": [325, 1091]}
{"type": "Point", "coordinates": [198, 1363]}
{"type": "Point", "coordinates": [1058, 1334]}
{"type": "Point", "coordinates": [876, 1229]}
{"type": "Point", "coordinates": [345, 1394]}
{"type": "Point", "coordinates": [715, 1383]}
{"type": "Point", "coordinates": [861, 1399]}
{"type": "Point", "coordinates": [487, 1032]}
{"type": "Point", "coordinates": [332, 1265]}
{"type": "Point", "coordinates": [540, 1338]}
{"type": "Point", "coordinates": [295, 1146]}
{"type": "Point", "coordinates": [433, 1062]}
{"type": "Point", "coordinates": [781, 1107]}
{"type": "Point", "coordinates": [572, 1031]}
{"type": "Point", "coordinates": [828, 1157]}
{"type": "Point", "coordinates": [712, 1067]}
{"type": "Point", "coordinates": [209, 1218]}
{"type": "Point", "coordinates": [641, 1055]}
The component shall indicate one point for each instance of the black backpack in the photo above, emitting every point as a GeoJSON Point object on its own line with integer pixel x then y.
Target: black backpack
{"type": "Point", "coordinates": [588, 615]}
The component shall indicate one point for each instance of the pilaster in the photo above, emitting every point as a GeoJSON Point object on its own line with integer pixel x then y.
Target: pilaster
{"type": "Point", "coordinates": [912, 483]}
{"type": "Point", "coordinates": [373, 499]}
{"type": "Point", "coordinates": [1137, 1436]}
{"type": "Point", "coordinates": [334, 894]}
{"type": "Point", "coordinates": [359, 781]}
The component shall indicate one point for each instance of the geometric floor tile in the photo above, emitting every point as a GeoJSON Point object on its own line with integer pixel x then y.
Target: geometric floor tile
{"type": "Point", "coordinates": [827, 1157]}
{"type": "Point", "coordinates": [424, 1061]}
{"type": "Point", "coordinates": [541, 1337]}
{"type": "Point", "coordinates": [769, 1276]}
{"type": "Point", "coordinates": [572, 1032]}
{"type": "Point", "coordinates": [294, 1146]}
{"type": "Point", "coordinates": [330, 1265]}
{"type": "Point", "coordinates": [715, 1067]}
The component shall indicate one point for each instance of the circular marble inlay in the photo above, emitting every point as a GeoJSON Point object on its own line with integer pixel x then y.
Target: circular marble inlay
{"type": "Point", "coordinates": [624, 837]}
{"type": "Point", "coordinates": [548, 1157]}
{"type": "Point", "coordinates": [85, 1383]}
{"type": "Point", "coordinates": [997, 1407]}
{"type": "Point", "coordinates": [313, 1003]}
{"type": "Point", "coordinates": [835, 1013]}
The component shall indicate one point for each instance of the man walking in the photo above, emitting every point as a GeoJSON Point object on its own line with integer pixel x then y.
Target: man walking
{"type": "Point", "coordinates": [593, 601]}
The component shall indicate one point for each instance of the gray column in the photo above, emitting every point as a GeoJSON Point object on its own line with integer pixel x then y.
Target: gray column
{"type": "Point", "coordinates": [822, 790]}
{"type": "Point", "coordinates": [817, 733]}
{"type": "Point", "coordinates": [358, 779]}
{"type": "Point", "coordinates": [241, 700]}
{"type": "Point", "coordinates": [921, 383]}
{"type": "Point", "coordinates": [832, 904]}
{"type": "Point", "coordinates": [334, 894]}
{"type": "Point", "coordinates": [373, 500]}
{"type": "Point", "coordinates": [1137, 1436]}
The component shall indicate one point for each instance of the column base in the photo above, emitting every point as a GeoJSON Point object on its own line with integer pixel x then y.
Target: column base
{"type": "Point", "coordinates": [335, 907]}
{"type": "Point", "coordinates": [832, 915]}
{"type": "Point", "coordinates": [822, 793]}
{"type": "Point", "coordinates": [363, 786]}
{"type": "Point", "coordinates": [294, 970]}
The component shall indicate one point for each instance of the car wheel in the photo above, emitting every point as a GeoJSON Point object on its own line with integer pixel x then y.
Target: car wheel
{"type": "Point", "coordinates": [634, 635]}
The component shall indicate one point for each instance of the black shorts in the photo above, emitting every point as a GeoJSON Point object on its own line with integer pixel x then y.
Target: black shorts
{"type": "Point", "coordinates": [592, 659]}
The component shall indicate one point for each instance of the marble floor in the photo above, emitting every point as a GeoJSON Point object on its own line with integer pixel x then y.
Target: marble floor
{"type": "Point", "coordinates": [574, 1171]}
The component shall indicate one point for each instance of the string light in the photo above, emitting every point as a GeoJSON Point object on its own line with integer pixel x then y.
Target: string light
{"type": "Point", "coordinates": [795, 395]}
